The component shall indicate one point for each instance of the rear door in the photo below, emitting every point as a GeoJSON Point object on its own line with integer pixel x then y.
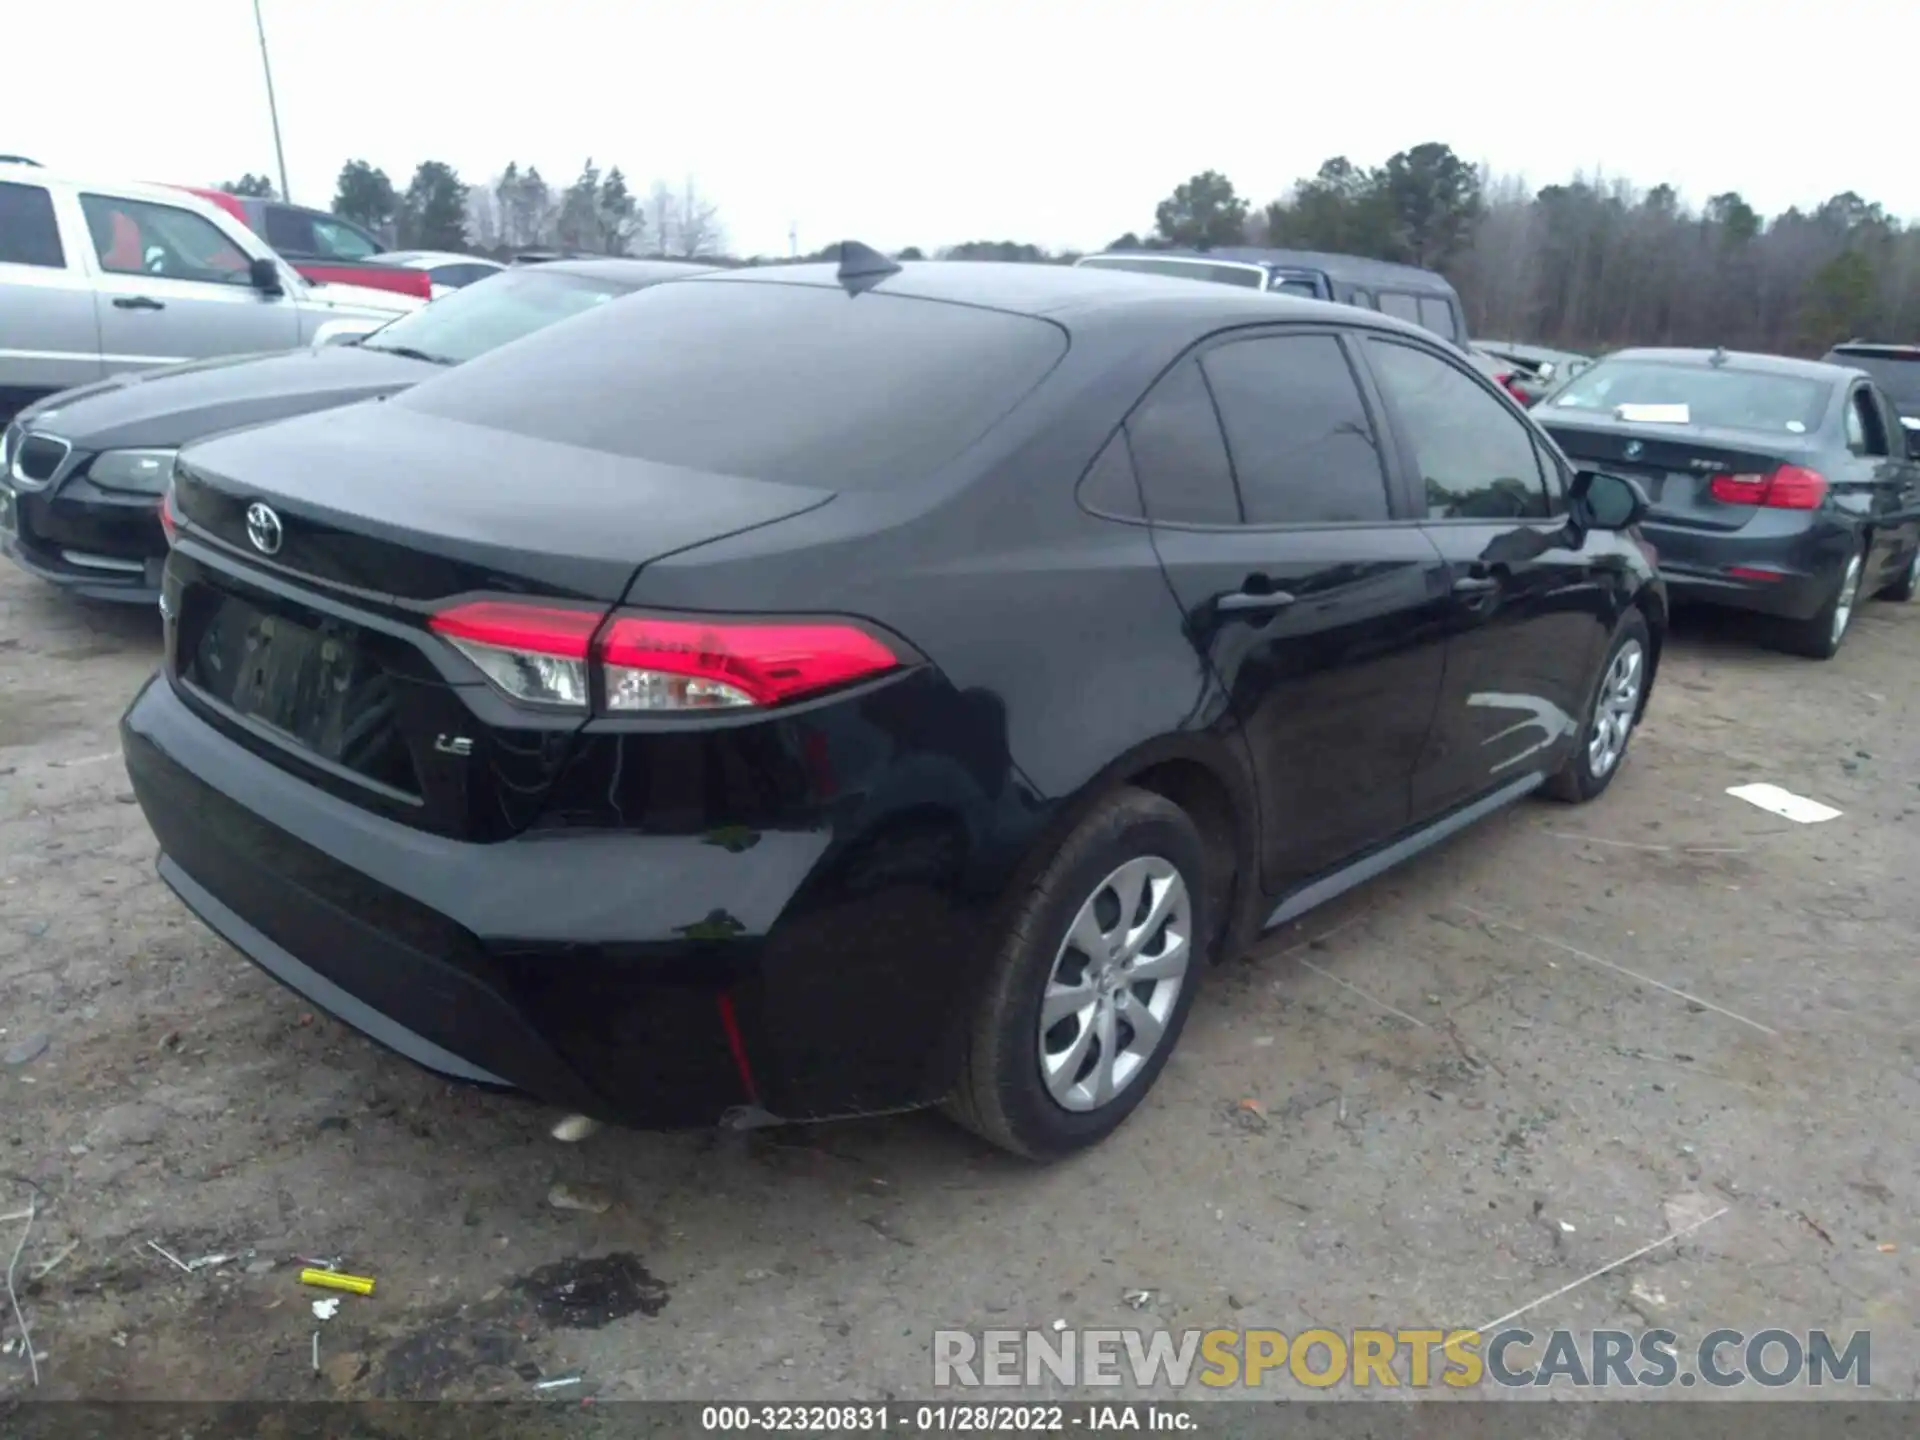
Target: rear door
{"type": "Point", "coordinates": [174, 287]}
{"type": "Point", "coordinates": [1883, 483]}
{"type": "Point", "coordinates": [49, 339]}
{"type": "Point", "coordinates": [1527, 615]}
{"type": "Point", "coordinates": [1321, 610]}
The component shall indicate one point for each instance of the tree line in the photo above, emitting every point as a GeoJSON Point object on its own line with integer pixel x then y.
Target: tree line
{"type": "Point", "coordinates": [1591, 263]}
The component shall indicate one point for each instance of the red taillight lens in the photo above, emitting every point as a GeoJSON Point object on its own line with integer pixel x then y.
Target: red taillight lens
{"type": "Point", "coordinates": [652, 665]}
{"type": "Point", "coordinates": [668, 665]}
{"type": "Point", "coordinates": [1791, 487]}
{"type": "Point", "coordinates": [1513, 388]}
{"type": "Point", "coordinates": [533, 653]}
{"type": "Point", "coordinates": [169, 520]}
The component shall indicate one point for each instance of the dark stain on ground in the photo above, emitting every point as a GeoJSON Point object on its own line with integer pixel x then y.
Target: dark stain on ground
{"type": "Point", "coordinates": [459, 1354]}
{"type": "Point", "coordinates": [587, 1293]}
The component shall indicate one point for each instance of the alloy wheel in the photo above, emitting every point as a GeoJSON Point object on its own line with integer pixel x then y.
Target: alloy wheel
{"type": "Point", "coordinates": [1615, 709]}
{"type": "Point", "coordinates": [1114, 983]}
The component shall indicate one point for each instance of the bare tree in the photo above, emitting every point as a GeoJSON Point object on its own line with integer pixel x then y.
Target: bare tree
{"type": "Point", "coordinates": [697, 228]}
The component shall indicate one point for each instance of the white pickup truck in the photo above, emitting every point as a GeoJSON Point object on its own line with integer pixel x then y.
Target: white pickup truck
{"type": "Point", "coordinates": [96, 279]}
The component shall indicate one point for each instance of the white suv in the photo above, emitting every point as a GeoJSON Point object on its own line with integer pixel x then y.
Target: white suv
{"type": "Point", "coordinates": [96, 279]}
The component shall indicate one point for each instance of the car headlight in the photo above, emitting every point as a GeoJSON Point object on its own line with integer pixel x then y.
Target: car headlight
{"type": "Point", "coordinates": [141, 472]}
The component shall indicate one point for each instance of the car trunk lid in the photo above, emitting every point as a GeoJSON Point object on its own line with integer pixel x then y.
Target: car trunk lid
{"type": "Point", "coordinates": [1676, 464]}
{"type": "Point", "coordinates": [305, 634]}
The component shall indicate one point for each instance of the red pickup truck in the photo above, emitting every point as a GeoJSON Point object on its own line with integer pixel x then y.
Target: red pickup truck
{"type": "Point", "coordinates": [322, 247]}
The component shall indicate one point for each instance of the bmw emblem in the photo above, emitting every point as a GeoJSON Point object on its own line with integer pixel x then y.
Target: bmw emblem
{"type": "Point", "coordinates": [1633, 451]}
{"type": "Point", "coordinates": [263, 528]}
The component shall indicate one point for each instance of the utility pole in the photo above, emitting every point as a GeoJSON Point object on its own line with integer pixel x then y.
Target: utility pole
{"type": "Point", "coordinates": [793, 241]}
{"type": "Point", "coordinates": [273, 108]}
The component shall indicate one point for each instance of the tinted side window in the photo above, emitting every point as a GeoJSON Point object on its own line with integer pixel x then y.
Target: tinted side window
{"type": "Point", "coordinates": [1437, 316]}
{"type": "Point", "coordinates": [289, 231]}
{"type": "Point", "coordinates": [1108, 487]}
{"type": "Point", "coordinates": [1180, 454]}
{"type": "Point", "coordinates": [1303, 449]}
{"type": "Point", "coordinates": [1401, 307]}
{"type": "Point", "coordinates": [29, 234]}
{"type": "Point", "coordinates": [1476, 458]}
{"type": "Point", "coordinates": [340, 241]}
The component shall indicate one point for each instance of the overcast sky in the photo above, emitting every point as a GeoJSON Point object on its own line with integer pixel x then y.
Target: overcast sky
{"type": "Point", "coordinates": [927, 122]}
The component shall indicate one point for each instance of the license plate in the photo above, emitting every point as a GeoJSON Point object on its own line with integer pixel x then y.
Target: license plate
{"type": "Point", "coordinates": [305, 682]}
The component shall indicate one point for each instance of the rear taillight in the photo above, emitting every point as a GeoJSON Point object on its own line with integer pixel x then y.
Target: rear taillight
{"type": "Point", "coordinates": [169, 518]}
{"type": "Point", "coordinates": [658, 665]}
{"type": "Point", "coordinates": [531, 652]}
{"type": "Point", "coordinates": [1512, 388]}
{"type": "Point", "coordinates": [1791, 487]}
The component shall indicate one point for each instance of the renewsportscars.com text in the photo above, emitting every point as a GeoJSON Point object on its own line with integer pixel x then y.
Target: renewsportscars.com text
{"type": "Point", "coordinates": [1413, 1359]}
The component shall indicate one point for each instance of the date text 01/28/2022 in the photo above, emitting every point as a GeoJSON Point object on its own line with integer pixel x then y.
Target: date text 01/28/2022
{"type": "Point", "coordinates": [959, 1419]}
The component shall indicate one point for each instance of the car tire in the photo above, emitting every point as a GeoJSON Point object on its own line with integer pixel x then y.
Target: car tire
{"type": "Point", "coordinates": [1036, 1090]}
{"type": "Point", "coordinates": [1612, 714]}
{"type": "Point", "coordinates": [1821, 637]}
{"type": "Point", "coordinates": [1908, 585]}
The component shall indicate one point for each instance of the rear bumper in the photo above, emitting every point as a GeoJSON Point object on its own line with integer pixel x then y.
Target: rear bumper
{"type": "Point", "coordinates": [1805, 553]}
{"type": "Point", "coordinates": [557, 965]}
{"type": "Point", "coordinates": [95, 543]}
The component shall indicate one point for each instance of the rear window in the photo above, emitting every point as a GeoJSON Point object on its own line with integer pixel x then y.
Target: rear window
{"type": "Point", "coordinates": [479, 318]}
{"type": "Point", "coordinates": [1898, 376]}
{"type": "Point", "coordinates": [1720, 396]}
{"type": "Point", "coordinates": [765, 380]}
{"type": "Point", "coordinates": [29, 235]}
{"type": "Point", "coordinates": [1248, 277]}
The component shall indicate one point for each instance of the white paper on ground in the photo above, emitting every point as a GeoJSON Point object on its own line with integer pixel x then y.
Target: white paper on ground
{"type": "Point", "coordinates": [1784, 803]}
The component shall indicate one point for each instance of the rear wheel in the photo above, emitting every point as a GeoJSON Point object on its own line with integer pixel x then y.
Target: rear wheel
{"type": "Point", "coordinates": [1908, 585]}
{"type": "Point", "coordinates": [1611, 717]}
{"type": "Point", "coordinates": [1821, 637]}
{"type": "Point", "coordinates": [1092, 983]}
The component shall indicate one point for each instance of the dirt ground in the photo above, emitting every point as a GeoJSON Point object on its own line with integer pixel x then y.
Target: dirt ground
{"type": "Point", "coordinates": [1473, 1082]}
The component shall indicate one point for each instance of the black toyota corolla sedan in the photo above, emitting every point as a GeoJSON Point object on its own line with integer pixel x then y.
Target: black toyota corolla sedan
{"type": "Point", "coordinates": [1778, 486]}
{"type": "Point", "coordinates": [816, 691]}
{"type": "Point", "coordinates": [81, 472]}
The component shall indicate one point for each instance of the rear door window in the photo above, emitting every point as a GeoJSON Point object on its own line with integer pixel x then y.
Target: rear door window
{"type": "Point", "coordinates": [338, 240]}
{"type": "Point", "coordinates": [1302, 445]}
{"type": "Point", "coordinates": [29, 232]}
{"type": "Point", "coordinates": [290, 231]}
{"type": "Point", "coordinates": [1400, 306]}
{"type": "Point", "coordinates": [1437, 315]}
{"type": "Point", "coordinates": [1180, 453]}
{"type": "Point", "coordinates": [763, 379]}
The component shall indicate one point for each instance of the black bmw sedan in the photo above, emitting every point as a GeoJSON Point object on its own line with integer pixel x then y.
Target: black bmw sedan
{"type": "Point", "coordinates": [1778, 486]}
{"type": "Point", "coordinates": [816, 691]}
{"type": "Point", "coordinates": [81, 472]}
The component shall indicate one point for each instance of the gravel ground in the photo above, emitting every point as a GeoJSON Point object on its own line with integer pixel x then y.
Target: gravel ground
{"type": "Point", "coordinates": [1448, 1095]}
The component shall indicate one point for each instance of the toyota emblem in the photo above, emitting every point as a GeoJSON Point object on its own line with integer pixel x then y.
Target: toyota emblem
{"type": "Point", "coordinates": [1633, 452]}
{"type": "Point", "coordinates": [263, 529]}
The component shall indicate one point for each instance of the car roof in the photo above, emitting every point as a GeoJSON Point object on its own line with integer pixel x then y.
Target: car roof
{"type": "Point", "coordinates": [1082, 297]}
{"type": "Point", "coordinates": [1532, 352]}
{"type": "Point", "coordinates": [1750, 361]}
{"type": "Point", "coordinates": [132, 189]}
{"type": "Point", "coordinates": [1356, 269]}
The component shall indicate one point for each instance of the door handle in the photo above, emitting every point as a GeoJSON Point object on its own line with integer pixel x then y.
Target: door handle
{"type": "Point", "coordinates": [137, 302]}
{"type": "Point", "coordinates": [1254, 600]}
{"type": "Point", "coordinates": [1475, 585]}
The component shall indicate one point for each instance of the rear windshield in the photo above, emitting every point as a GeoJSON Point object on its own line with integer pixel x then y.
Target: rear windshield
{"type": "Point", "coordinates": [1718, 396]}
{"type": "Point", "coordinates": [770, 381]}
{"type": "Point", "coordinates": [484, 316]}
{"type": "Point", "coordinates": [1249, 277]}
{"type": "Point", "coordinates": [1899, 376]}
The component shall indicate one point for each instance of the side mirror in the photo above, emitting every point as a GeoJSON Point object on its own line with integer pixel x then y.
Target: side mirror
{"type": "Point", "coordinates": [1601, 501]}
{"type": "Point", "coordinates": [264, 275]}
